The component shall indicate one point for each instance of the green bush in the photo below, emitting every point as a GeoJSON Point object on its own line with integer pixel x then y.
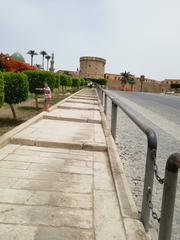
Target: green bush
{"type": "Point", "coordinates": [37, 79]}
{"type": "Point", "coordinates": [65, 81]}
{"type": "Point", "coordinates": [57, 81]}
{"type": "Point", "coordinates": [175, 85]}
{"type": "Point", "coordinates": [1, 89]}
{"type": "Point", "coordinates": [100, 81]}
{"type": "Point", "coordinates": [15, 89]}
{"type": "Point", "coordinates": [83, 82]}
{"type": "Point", "coordinates": [76, 82]}
{"type": "Point", "coordinates": [69, 81]}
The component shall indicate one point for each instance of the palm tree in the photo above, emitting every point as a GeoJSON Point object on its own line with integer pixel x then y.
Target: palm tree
{"type": "Point", "coordinates": [131, 81]}
{"type": "Point", "coordinates": [142, 79]}
{"type": "Point", "coordinates": [32, 53]}
{"type": "Point", "coordinates": [43, 53]}
{"type": "Point", "coordinates": [125, 78]}
{"type": "Point", "coordinates": [48, 58]}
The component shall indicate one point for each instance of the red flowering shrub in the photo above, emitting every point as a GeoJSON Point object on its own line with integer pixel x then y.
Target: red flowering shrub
{"type": "Point", "coordinates": [8, 64]}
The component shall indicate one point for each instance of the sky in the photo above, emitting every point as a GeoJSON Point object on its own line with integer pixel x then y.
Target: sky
{"type": "Point", "coordinates": [139, 36]}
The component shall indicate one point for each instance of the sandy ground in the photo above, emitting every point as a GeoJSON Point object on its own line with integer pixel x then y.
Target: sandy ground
{"type": "Point", "coordinates": [24, 111]}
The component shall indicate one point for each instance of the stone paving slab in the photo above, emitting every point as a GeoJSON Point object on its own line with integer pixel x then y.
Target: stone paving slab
{"type": "Point", "coordinates": [63, 132]}
{"type": "Point", "coordinates": [45, 216]}
{"type": "Point", "coordinates": [84, 101]}
{"type": "Point", "coordinates": [86, 98]}
{"type": "Point", "coordinates": [20, 232]}
{"type": "Point", "coordinates": [75, 115]}
{"type": "Point", "coordinates": [108, 223]}
{"type": "Point", "coordinates": [79, 106]}
{"type": "Point", "coordinates": [45, 198]}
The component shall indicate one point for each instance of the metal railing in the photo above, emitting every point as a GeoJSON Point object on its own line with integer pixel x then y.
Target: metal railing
{"type": "Point", "coordinates": [151, 170]}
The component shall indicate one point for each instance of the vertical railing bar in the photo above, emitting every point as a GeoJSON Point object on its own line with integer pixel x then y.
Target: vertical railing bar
{"type": "Point", "coordinates": [113, 119]}
{"type": "Point", "coordinates": [148, 179]}
{"type": "Point", "coordinates": [169, 194]}
{"type": "Point", "coordinates": [105, 103]}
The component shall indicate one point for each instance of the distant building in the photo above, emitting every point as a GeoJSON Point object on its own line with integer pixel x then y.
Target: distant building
{"type": "Point", "coordinates": [68, 72]}
{"type": "Point", "coordinates": [18, 56]}
{"type": "Point", "coordinates": [114, 82]}
{"type": "Point", "coordinates": [92, 67]}
{"type": "Point", "coordinates": [166, 85]}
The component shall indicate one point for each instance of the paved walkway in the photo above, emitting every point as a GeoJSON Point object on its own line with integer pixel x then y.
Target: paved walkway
{"type": "Point", "coordinates": [55, 178]}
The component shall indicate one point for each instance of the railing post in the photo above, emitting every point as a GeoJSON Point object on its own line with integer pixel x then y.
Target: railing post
{"type": "Point", "coordinates": [148, 179]}
{"type": "Point", "coordinates": [113, 119]}
{"type": "Point", "coordinates": [169, 194]}
{"type": "Point", "coordinates": [101, 95]}
{"type": "Point", "coordinates": [105, 103]}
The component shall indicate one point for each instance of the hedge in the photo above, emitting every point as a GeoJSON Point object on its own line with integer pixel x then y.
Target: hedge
{"type": "Point", "coordinates": [175, 85]}
{"type": "Point", "coordinates": [15, 89]}
{"type": "Point", "coordinates": [1, 90]}
{"type": "Point", "coordinates": [100, 81]}
{"type": "Point", "coordinates": [76, 82]}
{"type": "Point", "coordinates": [57, 81]}
{"type": "Point", "coordinates": [83, 82]}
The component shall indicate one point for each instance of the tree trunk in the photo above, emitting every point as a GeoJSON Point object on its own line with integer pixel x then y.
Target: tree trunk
{"type": "Point", "coordinates": [63, 89]}
{"type": "Point", "coordinates": [36, 100]}
{"type": "Point", "coordinates": [13, 111]}
{"type": "Point", "coordinates": [141, 86]}
{"type": "Point", "coordinates": [131, 87]}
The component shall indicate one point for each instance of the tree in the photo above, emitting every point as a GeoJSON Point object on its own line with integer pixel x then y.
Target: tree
{"type": "Point", "coordinates": [142, 79]}
{"type": "Point", "coordinates": [43, 53]}
{"type": "Point", "coordinates": [15, 89]}
{"type": "Point", "coordinates": [37, 79]}
{"type": "Point", "coordinates": [32, 53]}
{"type": "Point", "coordinates": [131, 81]}
{"type": "Point", "coordinates": [76, 82]}
{"type": "Point", "coordinates": [125, 76]}
{"type": "Point", "coordinates": [48, 58]}
{"type": "Point", "coordinates": [1, 89]}
{"type": "Point", "coordinates": [65, 81]}
{"type": "Point", "coordinates": [83, 82]}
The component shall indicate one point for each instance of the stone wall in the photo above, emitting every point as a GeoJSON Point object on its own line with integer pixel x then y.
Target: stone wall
{"type": "Point", "coordinates": [149, 85]}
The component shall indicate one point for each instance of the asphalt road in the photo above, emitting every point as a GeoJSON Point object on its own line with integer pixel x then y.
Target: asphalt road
{"type": "Point", "coordinates": [161, 113]}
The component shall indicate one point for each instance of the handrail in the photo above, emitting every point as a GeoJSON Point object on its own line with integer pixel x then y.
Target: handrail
{"type": "Point", "coordinates": [150, 158]}
{"type": "Point", "coordinates": [173, 163]}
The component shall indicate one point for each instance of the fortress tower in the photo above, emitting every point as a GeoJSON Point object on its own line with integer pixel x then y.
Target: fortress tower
{"type": "Point", "coordinates": [92, 67]}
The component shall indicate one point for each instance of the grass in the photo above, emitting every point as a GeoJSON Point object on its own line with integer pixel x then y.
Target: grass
{"type": "Point", "coordinates": [29, 109]}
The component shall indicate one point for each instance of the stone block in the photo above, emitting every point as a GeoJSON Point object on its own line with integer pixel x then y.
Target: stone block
{"type": "Point", "coordinates": [45, 216]}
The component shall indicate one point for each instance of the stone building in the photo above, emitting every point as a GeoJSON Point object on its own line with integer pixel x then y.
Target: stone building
{"type": "Point", "coordinates": [92, 67]}
{"type": "Point", "coordinates": [166, 85]}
